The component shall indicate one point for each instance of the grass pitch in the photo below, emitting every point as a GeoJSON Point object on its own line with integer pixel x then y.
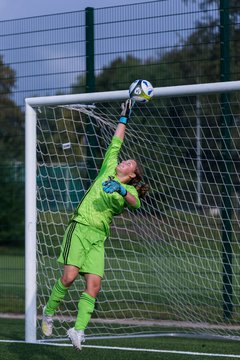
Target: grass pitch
{"type": "Point", "coordinates": [164, 348]}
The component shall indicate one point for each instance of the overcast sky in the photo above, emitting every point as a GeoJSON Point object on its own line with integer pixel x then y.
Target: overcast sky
{"type": "Point", "coordinates": [14, 9]}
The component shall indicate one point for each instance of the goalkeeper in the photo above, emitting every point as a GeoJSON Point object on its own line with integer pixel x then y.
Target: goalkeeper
{"type": "Point", "coordinates": [82, 251]}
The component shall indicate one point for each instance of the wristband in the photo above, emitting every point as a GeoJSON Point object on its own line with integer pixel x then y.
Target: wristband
{"type": "Point", "coordinates": [123, 191]}
{"type": "Point", "coordinates": [123, 120]}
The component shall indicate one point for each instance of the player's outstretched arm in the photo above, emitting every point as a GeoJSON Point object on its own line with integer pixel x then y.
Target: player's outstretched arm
{"type": "Point", "coordinates": [114, 147]}
{"type": "Point", "coordinates": [125, 115]}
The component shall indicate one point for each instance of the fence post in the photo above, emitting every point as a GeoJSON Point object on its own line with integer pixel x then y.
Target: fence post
{"type": "Point", "coordinates": [90, 87]}
{"type": "Point", "coordinates": [227, 164]}
{"type": "Point", "coordinates": [89, 37]}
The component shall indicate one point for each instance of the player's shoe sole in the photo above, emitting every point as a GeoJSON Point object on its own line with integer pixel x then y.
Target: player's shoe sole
{"type": "Point", "coordinates": [76, 337]}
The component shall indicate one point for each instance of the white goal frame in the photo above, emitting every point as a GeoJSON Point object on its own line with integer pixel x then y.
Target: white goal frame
{"type": "Point", "coordinates": [31, 105]}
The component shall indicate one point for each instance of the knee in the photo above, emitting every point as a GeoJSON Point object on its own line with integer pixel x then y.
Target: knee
{"type": "Point", "coordinates": [69, 275]}
{"type": "Point", "coordinates": [68, 279]}
{"type": "Point", "coordinates": [93, 289]}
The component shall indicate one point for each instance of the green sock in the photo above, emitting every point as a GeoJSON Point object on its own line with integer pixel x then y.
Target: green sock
{"type": "Point", "coordinates": [85, 309]}
{"type": "Point", "coordinates": [58, 293]}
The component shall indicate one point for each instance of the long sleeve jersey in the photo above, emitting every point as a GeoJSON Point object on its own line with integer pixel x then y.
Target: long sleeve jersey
{"type": "Point", "coordinates": [97, 208]}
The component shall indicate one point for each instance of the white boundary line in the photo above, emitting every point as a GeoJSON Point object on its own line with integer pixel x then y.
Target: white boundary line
{"type": "Point", "coordinates": [236, 356]}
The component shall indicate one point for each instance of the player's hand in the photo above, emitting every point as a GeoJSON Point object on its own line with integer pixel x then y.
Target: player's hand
{"type": "Point", "coordinates": [111, 186]}
{"type": "Point", "coordinates": [126, 111]}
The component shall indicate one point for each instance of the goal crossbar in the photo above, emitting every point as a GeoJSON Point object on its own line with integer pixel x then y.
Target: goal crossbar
{"type": "Point", "coordinates": [181, 90]}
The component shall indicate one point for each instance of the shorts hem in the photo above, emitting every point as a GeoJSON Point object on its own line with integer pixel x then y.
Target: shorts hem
{"type": "Point", "coordinates": [82, 273]}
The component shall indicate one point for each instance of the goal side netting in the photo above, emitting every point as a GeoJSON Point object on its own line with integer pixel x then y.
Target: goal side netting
{"type": "Point", "coordinates": [171, 266]}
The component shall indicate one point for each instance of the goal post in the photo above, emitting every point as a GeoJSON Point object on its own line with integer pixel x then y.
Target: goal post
{"type": "Point", "coordinates": [30, 224]}
{"type": "Point", "coordinates": [170, 265]}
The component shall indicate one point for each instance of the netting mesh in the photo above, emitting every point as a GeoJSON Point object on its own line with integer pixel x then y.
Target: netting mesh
{"type": "Point", "coordinates": [166, 263]}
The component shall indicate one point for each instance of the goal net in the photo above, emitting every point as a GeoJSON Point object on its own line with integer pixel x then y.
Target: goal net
{"type": "Point", "coordinates": [173, 265]}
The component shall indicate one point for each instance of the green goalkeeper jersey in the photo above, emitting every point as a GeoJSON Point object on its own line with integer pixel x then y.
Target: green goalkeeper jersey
{"type": "Point", "coordinates": [97, 208]}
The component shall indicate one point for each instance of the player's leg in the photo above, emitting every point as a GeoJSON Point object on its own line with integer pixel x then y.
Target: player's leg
{"type": "Point", "coordinates": [87, 300]}
{"type": "Point", "coordinates": [86, 306]}
{"type": "Point", "coordinates": [59, 291]}
{"type": "Point", "coordinates": [72, 256]}
{"type": "Point", "coordinates": [93, 269]}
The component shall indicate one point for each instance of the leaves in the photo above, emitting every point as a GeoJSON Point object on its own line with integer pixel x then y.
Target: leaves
{"type": "Point", "coordinates": [11, 117]}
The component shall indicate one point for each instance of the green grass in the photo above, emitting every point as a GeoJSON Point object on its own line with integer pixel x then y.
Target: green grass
{"type": "Point", "coordinates": [137, 283]}
{"type": "Point", "coordinates": [14, 330]}
{"type": "Point", "coordinates": [181, 267]}
{"type": "Point", "coordinates": [169, 275]}
{"type": "Point", "coordinates": [11, 280]}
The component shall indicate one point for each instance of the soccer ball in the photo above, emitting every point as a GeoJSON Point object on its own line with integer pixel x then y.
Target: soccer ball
{"type": "Point", "coordinates": [141, 91]}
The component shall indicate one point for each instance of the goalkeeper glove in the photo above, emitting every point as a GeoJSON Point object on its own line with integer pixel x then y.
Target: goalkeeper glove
{"type": "Point", "coordinates": [126, 111]}
{"type": "Point", "coordinates": [111, 186]}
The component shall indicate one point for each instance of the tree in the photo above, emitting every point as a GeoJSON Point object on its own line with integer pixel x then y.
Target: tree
{"type": "Point", "coordinates": [204, 43]}
{"type": "Point", "coordinates": [12, 154]}
{"type": "Point", "coordinates": [11, 117]}
{"type": "Point", "coordinates": [205, 4]}
{"type": "Point", "coordinates": [115, 76]}
{"type": "Point", "coordinates": [12, 205]}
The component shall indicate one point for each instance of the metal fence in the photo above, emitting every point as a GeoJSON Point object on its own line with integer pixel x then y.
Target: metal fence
{"type": "Point", "coordinates": [101, 49]}
{"type": "Point", "coordinates": [48, 53]}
